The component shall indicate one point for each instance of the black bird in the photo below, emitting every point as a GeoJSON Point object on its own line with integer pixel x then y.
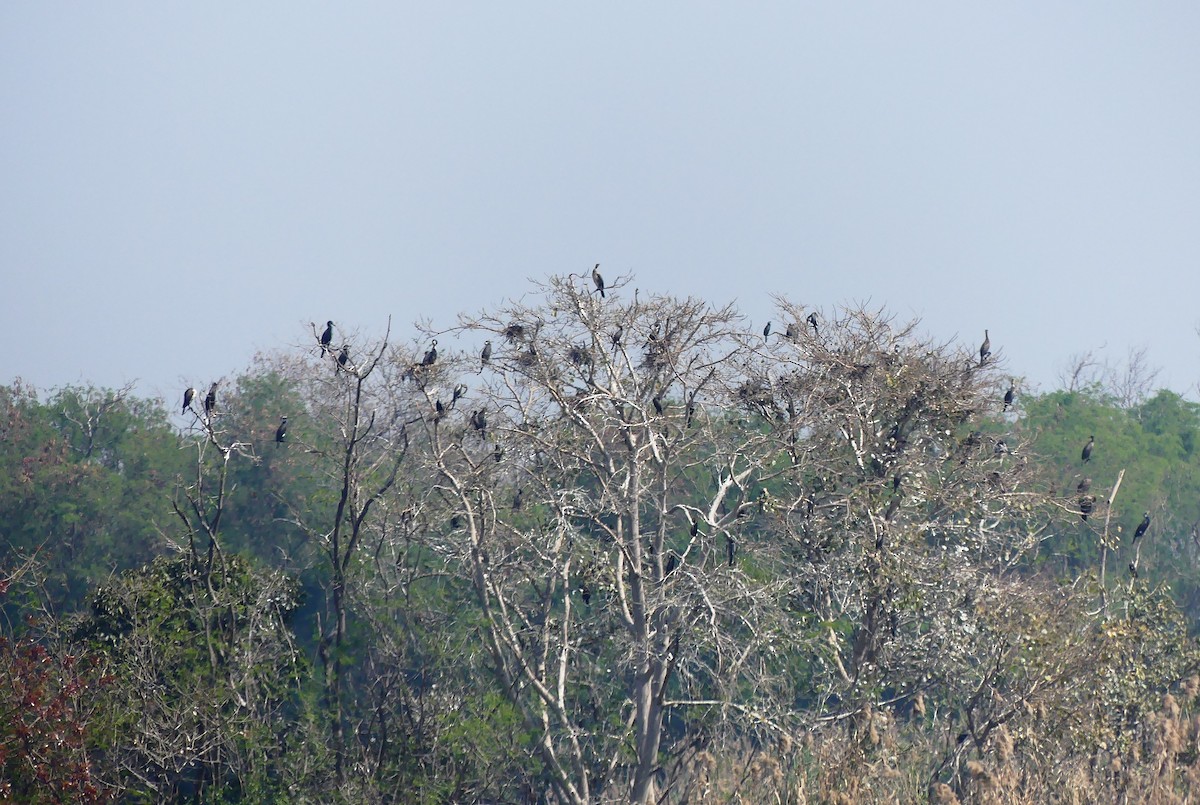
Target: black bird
{"type": "Point", "coordinates": [1001, 448]}
{"type": "Point", "coordinates": [430, 355]}
{"type": "Point", "coordinates": [586, 592]}
{"type": "Point", "coordinates": [616, 336]}
{"type": "Point", "coordinates": [790, 333]}
{"type": "Point", "coordinates": [599, 280]}
{"type": "Point", "coordinates": [695, 528]}
{"type": "Point", "coordinates": [188, 395]}
{"type": "Point", "coordinates": [985, 349]}
{"type": "Point", "coordinates": [457, 394]}
{"type": "Point", "coordinates": [1086, 504]}
{"type": "Point", "coordinates": [672, 563]}
{"type": "Point", "coordinates": [658, 406]}
{"type": "Point", "coordinates": [486, 355]}
{"type": "Point", "coordinates": [479, 423]}
{"type": "Point", "coordinates": [326, 337]}
{"type": "Point", "coordinates": [516, 502]}
{"type": "Point", "coordinates": [812, 319]}
{"type": "Point", "coordinates": [514, 332]}
{"type": "Point", "coordinates": [1133, 569]}
{"type": "Point", "coordinates": [730, 548]}
{"type": "Point", "coordinates": [1142, 526]}
{"type": "Point", "coordinates": [440, 410]}
{"type": "Point", "coordinates": [281, 431]}
{"type": "Point", "coordinates": [767, 331]}
{"type": "Point", "coordinates": [1086, 455]}
{"type": "Point", "coordinates": [343, 358]}
{"type": "Point", "coordinates": [1008, 395]}
{"type": "Point", "coordinates": [210, 399]}
{"type": "Point", "coordinates": [1084, 486]}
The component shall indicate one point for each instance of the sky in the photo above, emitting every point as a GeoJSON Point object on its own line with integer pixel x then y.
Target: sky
{"type": "Point", "coordinates": [183, 185]}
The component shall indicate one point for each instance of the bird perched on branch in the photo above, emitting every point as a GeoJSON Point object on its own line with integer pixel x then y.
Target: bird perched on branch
{"type": "Point", "coordinates": [1008, 395]}
{"type": "Point", "coordinates": [1086, 455]}
{"type": "Point", "coordinates": [430, 355]}
{"type": "Point", "coordinates": [812, 319]}
{"type": "Point", "coordinates": [281, 431]}
{"type": "Point", "coordinates": [985, 349]}
{"type": "Point", "coordinates": [1142, 526]}
{"type": "Point", "coordinates": [343, 358]}
{"type": "Point", "coordinates": [767, 331]}
{"type": "Point", "coordinates": [210, 399]}
{"type": "Point", "coordinates": [326, 337]}
{"type": "Point", "coordinates": [188, 395]}
{"type": "Point", "coordinates": [485, 355]}
{"type": "Point", "coordinates": [599, 280]}
{"type": "Point", "coordinates": [1086, 504]}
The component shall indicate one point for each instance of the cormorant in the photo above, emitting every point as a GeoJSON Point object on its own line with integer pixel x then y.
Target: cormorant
{"type": "Point", "coordinates": [486, 355]}
{"type": "Point", "coordinates": [985, 349]}
{"type": "Point", "coordinates": [586, 592]}
{"type": "Point", "coordinates": [516, 501]}
{"type": "Point", "coordinates": [730, 548]}
{"type": "Point", "coordinates": [1133, 569]}
{"type": "Point", "coordinates": [658, 406]}
{"type": "Point", "coordinates": [790, 333]}
{"type": "Point", "coordinates": [281, 431]}
{"type": "Point", "coordinates": [1084, 486]}
{"type": "Point", "coordinates": [695, 528]}
{"type": "Point", "coordinates": [767, 331]}
{"type": "Point", "coordinates": [1086, 504]}
{"type": "Point", "coordinates": [188, 395]}
{"type": "Point", "coordinates": [210, 399]}
{"type": "Point", "coordinates": [343, 358]}
{"type": "Point", "coordinates": [1008, 395]}
{"type": "Point", "coordinates": [812, 319]}
{"type": "Point", "coordinates": [430, 355]}
{"type": "Point", "coordinates": [616, 336]}
{"type": "Point", "coordinates": [439, 409]}
{"type": "Point", "coordinates": [1001, 447]}
{"type": "Point", "coordinates": [1142, 526]}
{"type": "Point", "coordinates": [326, 337]}
{"type": "Point", "coordinates": [514, 332]}
{"type": "Point", "coordinates": [1086, 455]}
{"type": "Point", "coordinates": [672, 563]}
{"type": "Point", "coordinates": [479, 422]}
{"type": "Point", "coordinates": [599, 280]}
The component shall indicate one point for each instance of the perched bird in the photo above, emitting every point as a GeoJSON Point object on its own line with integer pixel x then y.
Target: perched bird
{"type": "Point", "coordinates": [695, 528]}
{"type": "Point", "coordinates": [985, 349]}
{"type": "Point", "coordinates": [343, 358]}
{"type": "Point", "coordinates": [672, 563]}
{"type": "Point", "coordinates": [1086, 504]}
{"type": "Point", "coordinates": [188, 395]}
{"type": "Point", "coordinates": [812, 319]}
{"type": "Point", "coordinates": [486, 355]}
{"type": "Point", "coordinates": [1086, 455]}
{"type": "Point", "coordinates": [586, 592]}
{"type": "Point", "coordinates": [516, 501]}
{"type": "Point", "coordinates": [730, 548]}
{"type": "Point", "coordinates": [1142, 526]}
{"type": "Point", "coordinates": [658, 405]}
{"type": "Point", "coordinates": [1008, 395]}
{"type": "Point", "coordinates": [1084, 486]}
{"type": "Point", "coordinates": [1133, 569]}
{"type": "Point", "coordinates": [439, 410]}
{"type": "Point", "coordinates": [457, 394]}
{"type": "Point", "coordinates": [790, 333]}
{"type": "Point", "coordinates": [1001, 447]}
{"type": "Point", "coordinates": [479, 423]}
{"type": "Point", "coordinates": [599, 280]}
{"type": "Point", "coordinates": [326, 337]}
{"type": "Point", "coordinates": [767, 331]}
{"type": "Point", "coordinates": [281, 431]}
{"type": "Point", "coordinates": [430, 355]}
{"type": "Point", "coordinates": [210, 399]}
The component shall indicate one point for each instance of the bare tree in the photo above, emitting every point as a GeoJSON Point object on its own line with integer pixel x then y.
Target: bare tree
{"type": "Point", "coordinates": [1131, 383]}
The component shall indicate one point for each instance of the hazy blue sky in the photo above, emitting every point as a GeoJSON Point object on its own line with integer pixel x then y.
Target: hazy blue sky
{"type": "Point", "coordinates": [183, 184]}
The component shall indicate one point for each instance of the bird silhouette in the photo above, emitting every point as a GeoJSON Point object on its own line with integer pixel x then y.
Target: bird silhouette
{"type": "Point", "coordinates": [281, 431]}
{"type": "Point", "coordinates": [767, 331]}
{"type": "Point", "coordinates": [812, 319]}
{"type": "Point", "coordinates": [599, 280]}
{"type": "Point", "coordinates": [1086, 455]}
{"type": "Point", "coordinates": [1008, 395]}
{"type": "Point", "coordinates": [1084, 486]}
{"type": "Point", "coordinates": [326, 337]}
{"type": "Point", "coordinates": [985, 349]}
{"type": "Point", "coordinates": [343, 358]}
{"type": "Point", "coordinates": [188, 395]}
{"type": "Point", "coordinates": [1142, 526]}
{"type": "Point", "coordinates": [210, 399]}
{"type": "Point", "coordinates": [430, 355]}
{"type": "Point", "coordinates": [485, 355]}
